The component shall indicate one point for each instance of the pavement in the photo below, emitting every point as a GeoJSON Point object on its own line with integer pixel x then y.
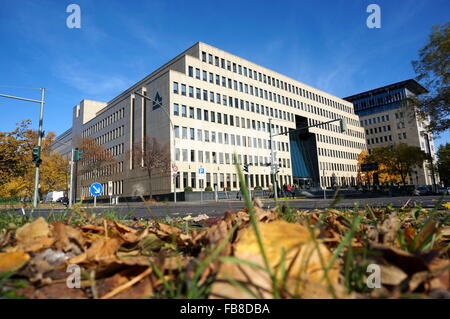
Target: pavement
{"type": "Point", "coordinates": [212, 208]}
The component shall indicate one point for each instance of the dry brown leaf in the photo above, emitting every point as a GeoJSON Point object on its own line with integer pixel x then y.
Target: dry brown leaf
{"type": "Point", "coordinates": [33, 236]}
{"type": "Point", "coordinates": [68, 238]}
{"type": "Point", "coordinates": [302, 261]}
{"type": "Point", "coordinates": [406, 261]}
{"type": "Point", "coordinates": [92, 228]}
{"type": "Point", "coordinates": [13, 260]}
{"type": "Point", "coordinates": [252, 278]}
{"type": "Point", "coordinates": [102, 251]}
{"type": "Point", "coordinates": [391, 275]}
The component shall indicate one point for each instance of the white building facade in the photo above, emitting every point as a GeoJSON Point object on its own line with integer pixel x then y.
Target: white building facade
{"type": "Point", "coordinates": [207, 105]}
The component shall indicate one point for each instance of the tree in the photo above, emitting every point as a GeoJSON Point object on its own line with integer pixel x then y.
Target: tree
{"type": "Point", "coordinates": [54, 170]}
{"type": "Point", "coordinates": [398, 159]}
{"type": "Point", "coordinates": [385, 176]}
{"type": "Point", "coordinates": [17, 168]}
{"type": "Point", "coordinates": [444, 163]}
{"type": "Point", "coordinates": [15, 152]}
{"type": "Point", "coordinates": [95, 160]}
{"type": "Point", "coordinates": [152, 157]}
{"type": "Point", "coordinates": [433, 69]}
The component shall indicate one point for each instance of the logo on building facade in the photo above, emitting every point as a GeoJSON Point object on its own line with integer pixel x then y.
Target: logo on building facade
{"type": "Point", "coordinates": [157, 101]}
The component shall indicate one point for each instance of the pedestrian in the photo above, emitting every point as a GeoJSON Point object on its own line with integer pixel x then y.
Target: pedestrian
{"type": "Point", "coordinates": [293, 191]}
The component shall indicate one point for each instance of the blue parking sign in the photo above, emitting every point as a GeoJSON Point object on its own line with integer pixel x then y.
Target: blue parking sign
{"type": "Point", "coordinates": [96, 189]}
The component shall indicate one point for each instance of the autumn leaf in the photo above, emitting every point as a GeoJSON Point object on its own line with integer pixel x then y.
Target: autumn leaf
{"type": "Point", "coordinates": [34, 236]}
{"type": "Point", "coordinates": [304, 260]}
{"type": "Point", "coordinates": [12, 261]}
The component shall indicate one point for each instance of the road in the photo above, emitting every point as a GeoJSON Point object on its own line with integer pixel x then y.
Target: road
{"type": "Point", "coordinates": [212, 208]}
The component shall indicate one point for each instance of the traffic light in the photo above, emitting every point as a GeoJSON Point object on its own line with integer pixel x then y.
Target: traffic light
{"type": "Point", "coordinates": [37, 155]}
{"type": "Point", "coordinates": [343, 125]}
{"type": "Point", "coordinates": [78, 155]}
{"type": "Point", "coordinates": [246, 168]}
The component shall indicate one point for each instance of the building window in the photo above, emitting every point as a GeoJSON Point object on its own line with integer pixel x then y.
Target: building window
{"type": "Point", "coordinates": [176, 109]}
{"type": "Point", "coordinates": [175, 87]}
{"type": "Point", "coordinates": [191, 71]}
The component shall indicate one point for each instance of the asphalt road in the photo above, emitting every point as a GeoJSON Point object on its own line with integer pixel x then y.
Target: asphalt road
{"type": "Point", "coordinates": [212, 208]}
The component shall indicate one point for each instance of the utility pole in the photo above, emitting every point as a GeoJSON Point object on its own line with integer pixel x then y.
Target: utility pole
{"type": "Point", "coordinates": [36, 171]}
{"type": "Point", "coordinates": [72, 162]}
{"type": "Point", "coordinates": [272, 166]}
{"type": "Point", "coordinates": [41, 118]}
{"type": "Point", "coordinates": [430, 159]}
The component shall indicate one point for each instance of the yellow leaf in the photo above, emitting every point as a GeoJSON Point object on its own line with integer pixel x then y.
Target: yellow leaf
{"type": "Point", "coordinates": [34, 236]}
{"type": "Point", "coordinates": [304, 261]}
{"type": "Point", "coordinates": [12, 261]}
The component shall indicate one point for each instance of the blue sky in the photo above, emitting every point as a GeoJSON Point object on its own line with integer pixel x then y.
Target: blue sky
{"type": "Point", "coordinates": [325, 44]}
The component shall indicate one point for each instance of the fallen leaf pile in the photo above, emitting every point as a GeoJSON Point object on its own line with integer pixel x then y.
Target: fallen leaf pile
{"type": "Point", "coordinates": [319, 254]}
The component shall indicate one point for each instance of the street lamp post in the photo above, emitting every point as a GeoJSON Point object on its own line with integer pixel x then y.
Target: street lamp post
{"type": "Point", "coordinates": [41, 119]}
{"type": "Point", "coordinates": [430, 158]}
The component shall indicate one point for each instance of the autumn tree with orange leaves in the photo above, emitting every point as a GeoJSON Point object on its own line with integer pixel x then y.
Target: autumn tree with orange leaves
{"type": "Point", "coordinates": [17, 168]}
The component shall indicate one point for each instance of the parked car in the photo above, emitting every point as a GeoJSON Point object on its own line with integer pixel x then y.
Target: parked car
{"type": "Point", "coordinates": [443, 190]}
{"type": "Point", "coordinates": [64, 200]}
{"type": "Point", "coordinates": [53, 196]}
{"type": "Point", "coordinates": [422, 190]}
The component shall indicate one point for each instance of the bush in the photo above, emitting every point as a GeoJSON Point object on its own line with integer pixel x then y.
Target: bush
{"type": "Point", "coordinates": [258, 188]}
{"type": "Point", "coordinates": [188, 189]}
{"type": "Point", "coordinates": [208, 189]}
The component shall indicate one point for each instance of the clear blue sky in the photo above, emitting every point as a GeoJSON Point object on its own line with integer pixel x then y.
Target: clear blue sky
{"type": "Point", "coordinates": [325, 44]}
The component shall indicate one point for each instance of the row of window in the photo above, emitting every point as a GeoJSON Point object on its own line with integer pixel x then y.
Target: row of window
{"type": "Point", "coordinates": [242, 87]}
{"type": "Point", "coordinates": [263, 78]}
{"type": "Point", "coordinates": [379, 129]}
{"type": "Point", "coordinates": [226, 181]}
{"type": "Point", "coordinates": [380, 139]}
{"type": "Point", "coordinates": [339, 141]}
{"type": "Point", "coordinates": [206, 115]}
{"type": "Point", "coordinates": [375, 120]}
{"type": "Point", "coordinates": [185, 155]}
{"type": "Point", "coordinates": [225, 100]}
{"type": "Point", "coordinates": [114, 117]}
{"type": "Point", "coordinates": [378, 100]}
{"type": "Point", "coordinates": [107, 170]}
{"type": "Point", "coordinates": [335, 153]}
{"type": "Point", "coordinates": [338, 167]}
{"type": "Point", "coordinates": [225, 138]}
{"type": "Point", "coordinates": [110, 136]}
{"type": "Point", "coordinates": [217, 117]}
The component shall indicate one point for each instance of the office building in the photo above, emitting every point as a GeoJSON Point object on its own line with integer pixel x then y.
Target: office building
{"type": "Point", "coordinates": [387, 119]}
{"type": "Point", "coordinates": [206, 105]}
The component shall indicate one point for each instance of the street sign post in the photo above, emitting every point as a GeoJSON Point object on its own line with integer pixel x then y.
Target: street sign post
{"type": "Point", "coordinates": [174, 175]}
{"type": "Point", "coordinates": [110, 191]}
{"type": "Point", "coordinates": [201, 177]}
{"type": "Point", "coordinates": [96, 189]}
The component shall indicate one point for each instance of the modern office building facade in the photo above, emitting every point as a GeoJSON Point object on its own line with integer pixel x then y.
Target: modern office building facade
{"type": "Point", "coordinates": [206, 105]}
{"type": "Point", "coordinates": [387, 119]}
